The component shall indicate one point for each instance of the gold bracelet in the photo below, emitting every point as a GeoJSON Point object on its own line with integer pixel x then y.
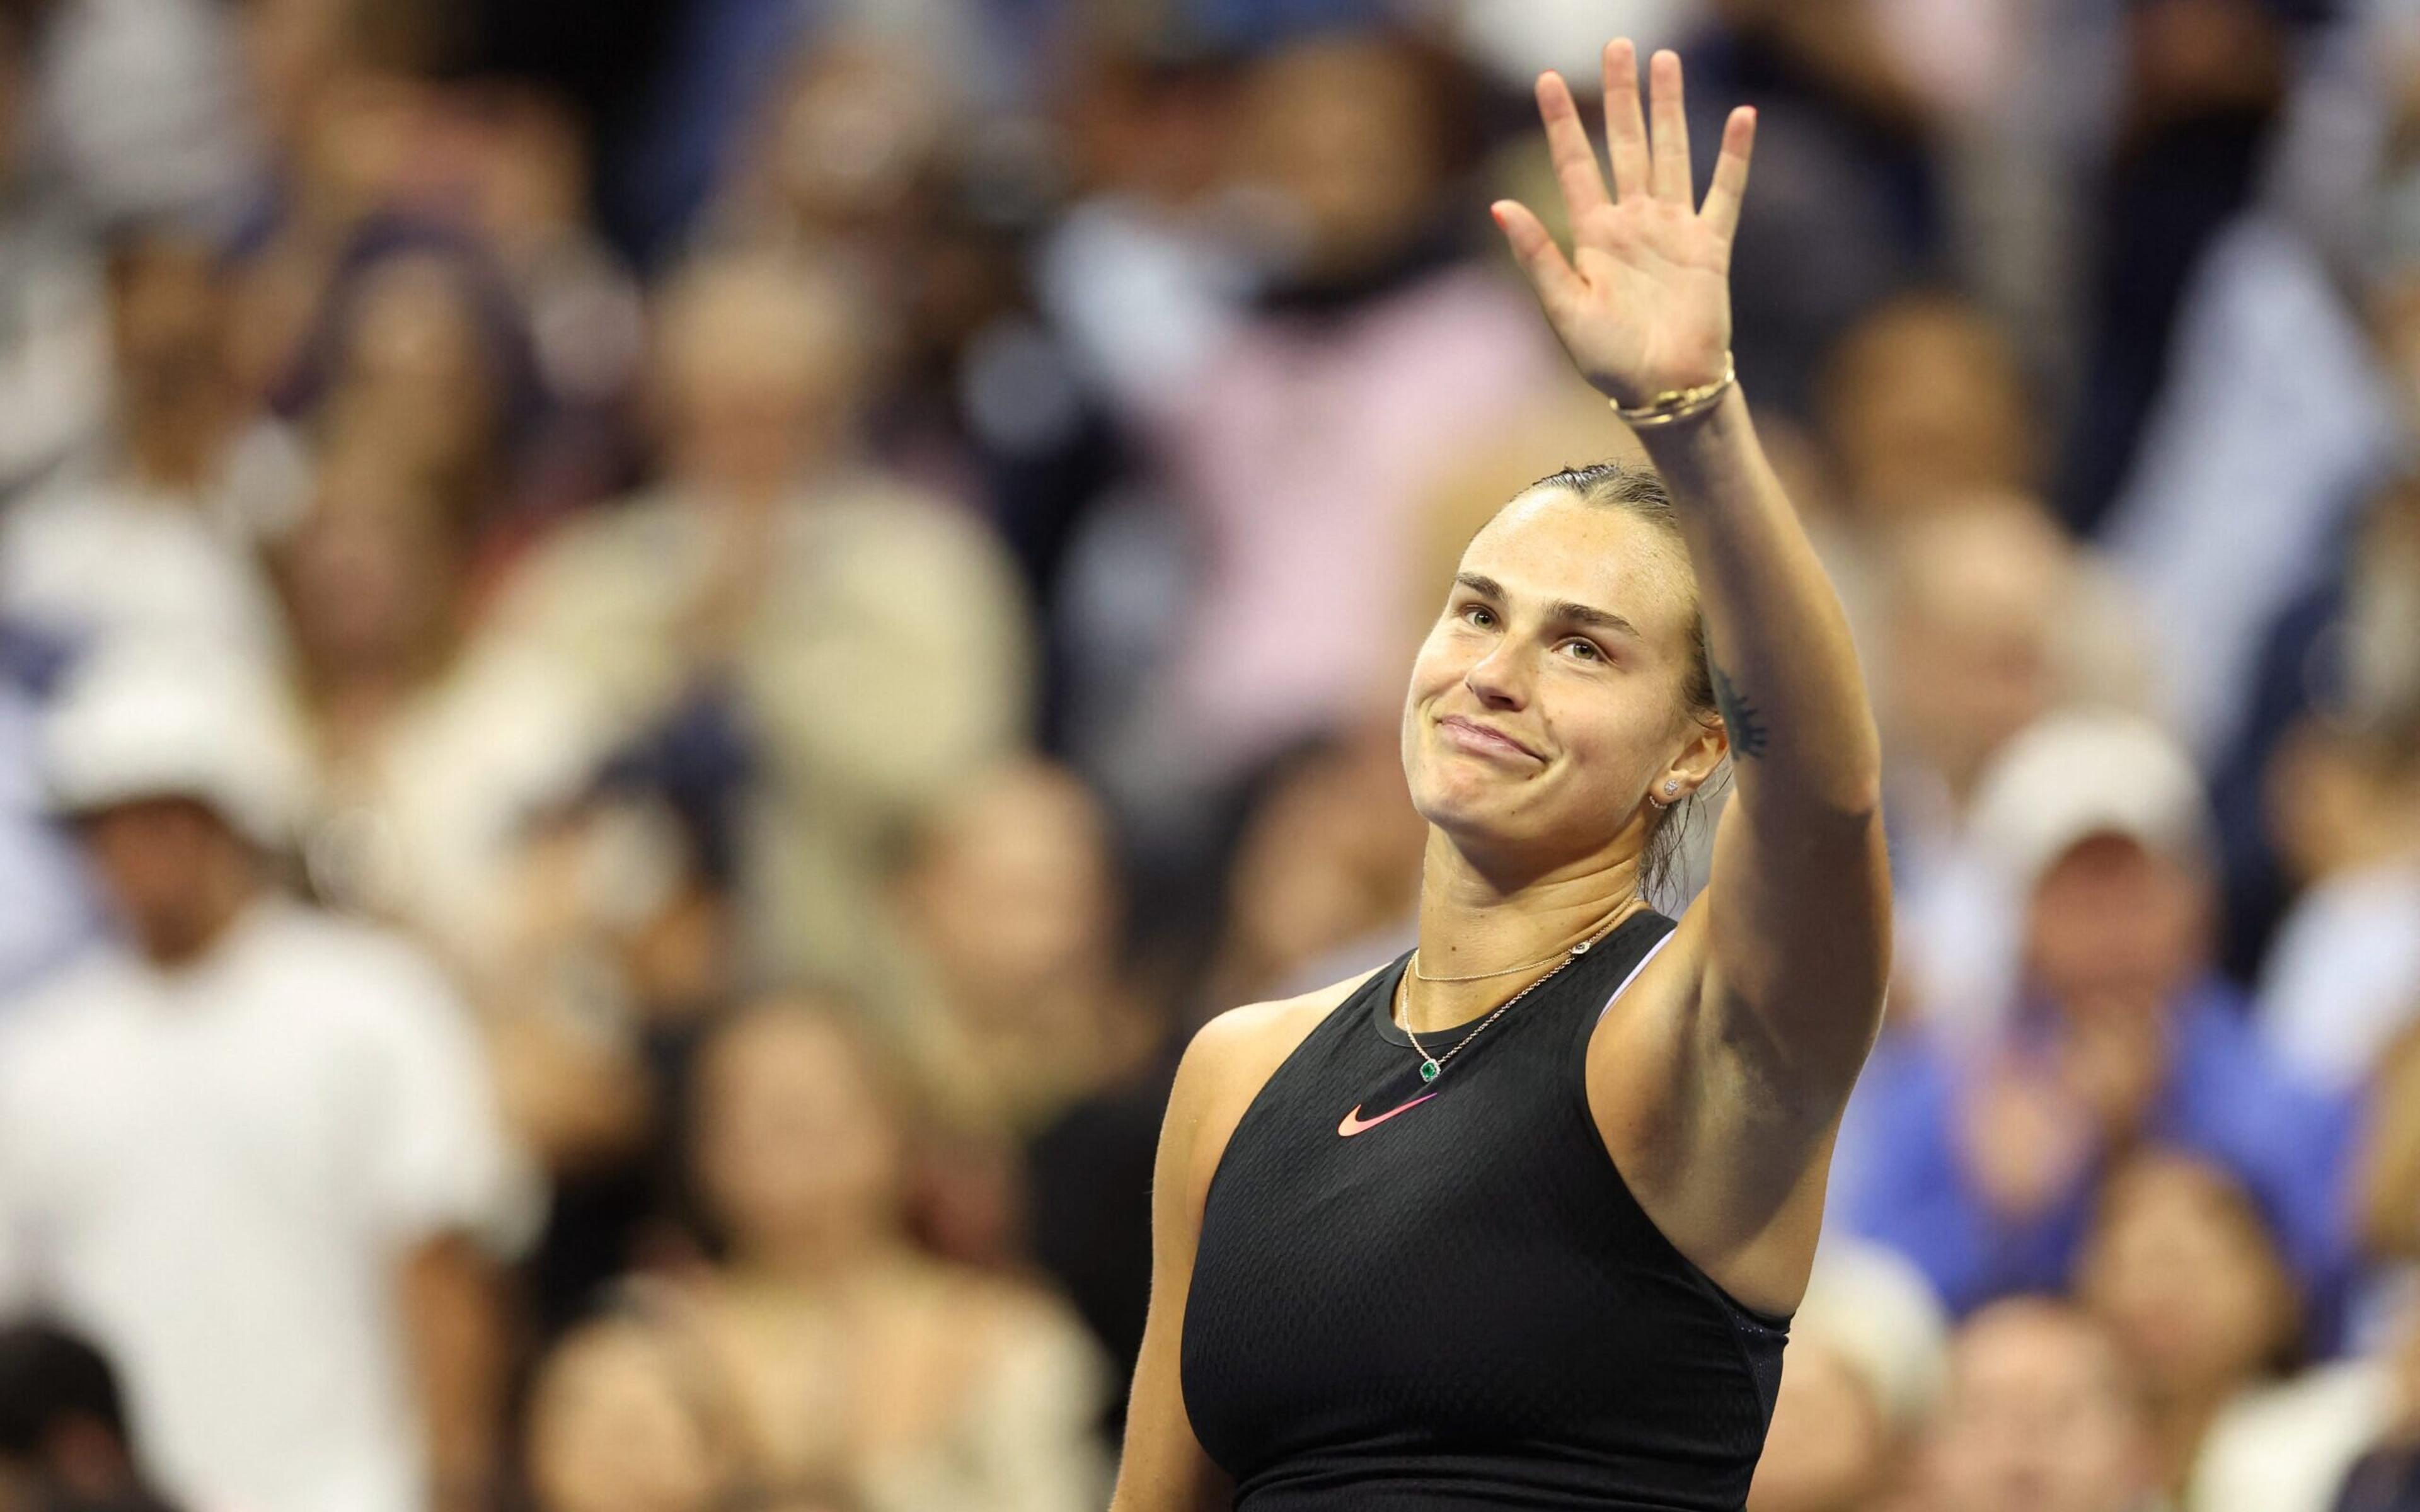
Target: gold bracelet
{"type": "Point", "coordinates": [1679, 404]}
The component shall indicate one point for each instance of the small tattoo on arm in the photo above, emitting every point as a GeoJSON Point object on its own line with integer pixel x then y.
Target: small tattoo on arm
{"type": "Point", "coordinates": [1749, 732]}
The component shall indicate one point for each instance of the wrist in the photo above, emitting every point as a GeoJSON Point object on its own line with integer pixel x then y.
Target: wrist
{"type": "Point", "coordinates": [1686, 452]}
{"type": "Point", "coordinates": [1679, 406]}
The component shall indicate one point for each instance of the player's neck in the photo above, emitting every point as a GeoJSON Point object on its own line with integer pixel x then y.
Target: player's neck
{"type": "Point", "coordinates": [1474, 924]}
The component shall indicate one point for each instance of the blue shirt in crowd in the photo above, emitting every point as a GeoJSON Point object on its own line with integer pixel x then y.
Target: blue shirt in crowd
{"type": "Point", "coordinates": [2290, 1145]}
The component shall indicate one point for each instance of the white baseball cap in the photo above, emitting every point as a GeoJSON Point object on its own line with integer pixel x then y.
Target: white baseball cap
{"type": "Point", "coordinates": [147, 719]}
{"type": "Point", "coordinates": [2077, 774]}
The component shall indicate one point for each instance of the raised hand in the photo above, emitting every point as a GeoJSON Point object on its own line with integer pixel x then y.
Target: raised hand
{"type": "Point", "coordinates": [1643, 302]}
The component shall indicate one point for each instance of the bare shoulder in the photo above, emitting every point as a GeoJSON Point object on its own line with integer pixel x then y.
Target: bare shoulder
{"type": "Point", "coordinates": [1259, 1036]}
{"type": "Point", "coordinates": [1231, 1059]}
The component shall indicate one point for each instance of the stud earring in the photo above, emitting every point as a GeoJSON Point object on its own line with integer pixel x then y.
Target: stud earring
{"type": "Point", "coordinates": [1673, 787]}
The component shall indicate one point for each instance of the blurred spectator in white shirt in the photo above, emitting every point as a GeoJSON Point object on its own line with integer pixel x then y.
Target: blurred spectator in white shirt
{"type": "Point", "coordinates": [161, 539]}
{"type": "Point", "coordinates": [252, 1150]}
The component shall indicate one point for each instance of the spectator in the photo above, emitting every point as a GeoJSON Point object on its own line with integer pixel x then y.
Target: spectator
{"type": "Point", "coordinates": [2342, 978]}
{"type": "Point", "coordinates": [53, 321]}
{"type": "Point", "coordinates": [1379, 353]}
{"type": "Point", "coordinates": [1011, 896]}
{"type": "Point", "coordinates": [251, 1150]}
{"type": "Point", "coordinates": [617, 957]}
{"type": "Point", "coordinates": [1328, 863]}
{"type": "Point", "coordinates": [141, 111]}
{"type": "Point", "coordinates": [430, 755]}
{"type": "Point", "coordinates": [1852, 208]}
{"type": "Point", "coordinates": [1863, 1365]}
{"type": "Point", "coordinates": [420, 350]}
{"type": "Point", "coordinates": [2182, 1270]}
{"type": "Point", "coordinates": [2387, 1477]}
{"type": "Point", "coordinates": [845, 154]}
{"type": "Point", "coordinates": [1922, 404]}
{"type": "Point", "coordinates": [620, 1421]}
{"type": "Point", "coordinates": [1014, 899]}
{"type": "Point", "coordinates": [1141, 272]}
{"type": "Point", "coordinates": [842, 646]}
{"type": "Point", "coordinates": [2287, 395]}
{"type": "Point", "coordinates": [63, 1428]}
{"type": "Point", "coordinates": [1983, 1167]}
{"type": "Point", "coordinates": [2203, 83]}
{"type": "Point", "coordinates": [161, 540]}
{"type": "Point", "coordinates": [2289, 1446]}
{"type": "Point", "coordinates": [517, 157]}
{"type": "Point", "coordinates": [2389, 1184]}
{"type": "Point", "coordinates": [336, 90]}
{"type": "Point", "coordinates": [2041, 1414]}
{"type": "Point", "coordinates": [1989, 618]}
{"type": "Point", "coordinates": [2342, 789]}
{"type": "Point", "coordinates": [921, 1386]}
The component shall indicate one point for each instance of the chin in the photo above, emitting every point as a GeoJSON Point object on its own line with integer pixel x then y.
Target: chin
{"type": "Point", "coordinates": [1463, 808]}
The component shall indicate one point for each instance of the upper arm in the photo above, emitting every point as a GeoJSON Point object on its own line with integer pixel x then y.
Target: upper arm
{"type": "Point", "coordinates": [18, 1273]}
{"type": "Point", "coordinates": [1164, 1468]}
{"type": "Point", "coordinates": [441, 1163]}
{"type": "Point", "coordinates": [1719, 1087]}
{"type": "Point", "coordinates": [1796, 942]}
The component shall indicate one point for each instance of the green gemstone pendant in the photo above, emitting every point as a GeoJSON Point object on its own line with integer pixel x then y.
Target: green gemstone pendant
{"type": "Point", "coordinates": [1429, 1069]}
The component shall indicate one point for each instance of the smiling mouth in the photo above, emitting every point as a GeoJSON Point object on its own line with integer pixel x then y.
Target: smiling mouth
{"type": "Point", "coordinates": [1479, 737]}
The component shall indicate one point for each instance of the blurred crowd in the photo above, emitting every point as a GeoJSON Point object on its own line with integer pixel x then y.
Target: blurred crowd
{"type": "Point", "coordinates": [656, 653]}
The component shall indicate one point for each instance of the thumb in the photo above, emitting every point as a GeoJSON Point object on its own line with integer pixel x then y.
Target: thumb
{"type": "Point", "coordinates": [1549, 273]}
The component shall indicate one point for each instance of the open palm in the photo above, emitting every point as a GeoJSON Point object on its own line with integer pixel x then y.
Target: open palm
{"type": "Point", "coordinates": [1643, 302]}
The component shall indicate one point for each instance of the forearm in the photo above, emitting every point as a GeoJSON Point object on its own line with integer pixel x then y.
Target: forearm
{"type": "Point", "coordinates": [2388, 1176]}
{"type": "Point", "coordinates": [1784, 667]}
{"type": "Point", "coordinates": [455, 1332]}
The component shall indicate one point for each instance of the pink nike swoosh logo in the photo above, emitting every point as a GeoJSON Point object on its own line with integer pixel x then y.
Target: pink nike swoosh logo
{"type": "Point", "coordinates": [1355, 1123]}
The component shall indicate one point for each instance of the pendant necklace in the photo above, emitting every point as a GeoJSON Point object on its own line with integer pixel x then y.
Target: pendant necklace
{"type": "Point", "coordinates": [1431, 1067]}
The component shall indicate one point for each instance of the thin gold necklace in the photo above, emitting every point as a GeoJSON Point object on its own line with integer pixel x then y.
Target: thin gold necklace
{"type": "Point", "coordinates": [1580, 948]}
{"type": "Point", "coordinates": [1431, 1067]}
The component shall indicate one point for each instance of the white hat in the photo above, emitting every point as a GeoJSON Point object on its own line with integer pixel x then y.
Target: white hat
{"type": "Point", "coordinates": [139, 720]}
{"type": "Point", "coordinates": [2071, 776]}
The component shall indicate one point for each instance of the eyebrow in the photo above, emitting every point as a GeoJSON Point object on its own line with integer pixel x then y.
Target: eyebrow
{"type": "Point", "coordinates": [1562, 612]}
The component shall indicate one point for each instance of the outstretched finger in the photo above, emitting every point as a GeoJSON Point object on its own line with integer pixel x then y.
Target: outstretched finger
{"type": "Point", "coordinates": [1625, 122]}
{"type": "Point", "coordinates": [1722, 207]}
{"type": "Point", "coordinates": [1670, 149]}
{"type": "Point", "coordinates": [1548, 271]}
{"type": "Point", "coordinates": [1567, 143]}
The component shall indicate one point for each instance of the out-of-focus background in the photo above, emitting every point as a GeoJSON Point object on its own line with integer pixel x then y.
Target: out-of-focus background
{"type": "Point", "coordinates": [656, 653]}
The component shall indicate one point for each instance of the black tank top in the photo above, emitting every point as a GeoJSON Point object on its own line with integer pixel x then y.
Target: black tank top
{"type": "Point", "coordinates": [1411, 1298]}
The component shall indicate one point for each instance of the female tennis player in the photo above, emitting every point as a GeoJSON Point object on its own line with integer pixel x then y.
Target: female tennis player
{"type": "Point", "coordinates": [1517, 1221]}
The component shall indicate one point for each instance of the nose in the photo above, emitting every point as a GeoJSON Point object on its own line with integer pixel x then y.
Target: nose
{"type": "Point", "coordinates": [1500, 679]}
